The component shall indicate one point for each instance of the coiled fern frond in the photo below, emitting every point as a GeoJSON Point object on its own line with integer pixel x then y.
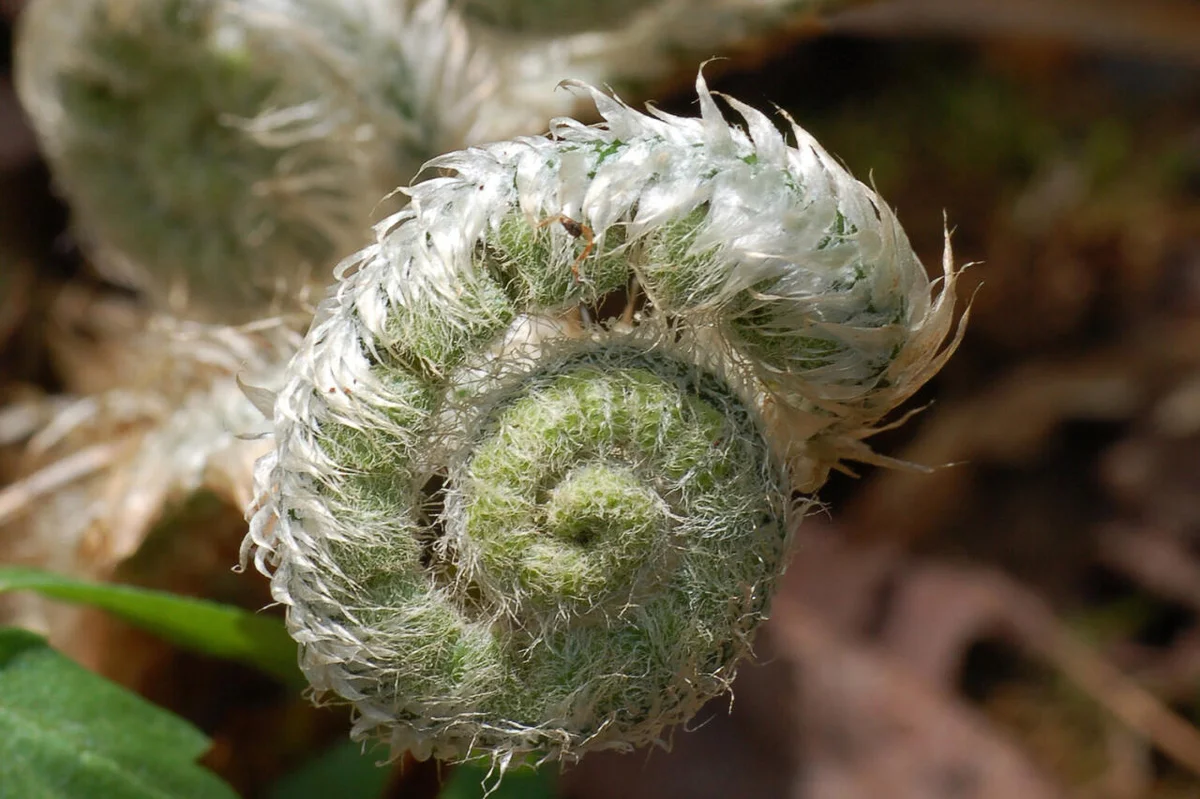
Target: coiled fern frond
{"type": "Point", "coordinates": [537, 458]}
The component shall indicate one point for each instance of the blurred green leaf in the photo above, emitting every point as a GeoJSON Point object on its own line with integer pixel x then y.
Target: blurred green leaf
{"type": "Point", "coordinates": [471, 781]}
{"type": "Point", "coordinates": [66, 733]}
{"type": "Point", "coordinates": [196, 624]}
{"type": "Point", "coordinates": [344, 770]}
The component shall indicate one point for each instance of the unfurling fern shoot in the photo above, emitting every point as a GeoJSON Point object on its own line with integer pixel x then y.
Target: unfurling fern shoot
{"type": "Point", "coordinates": [218, 153]}
{"type": "Point", "coordinates": [536, 459]}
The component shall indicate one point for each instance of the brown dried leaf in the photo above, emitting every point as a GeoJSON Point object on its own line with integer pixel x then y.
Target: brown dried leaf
{"type": "Point", "coordinates": [1153, 558]}
{"type": "Point", "coordinates": [1010, 421]}
{"type": "Point", "coordinates": [824, 718]}
{"type": "Point", "coordinates": [839, 581]}
{"type": "Point", "coordinates": [1157, 28]}
{"type": "Point", "coordinates": [873, 729]}
{"type": "Point", "coordinates": [940, 610]}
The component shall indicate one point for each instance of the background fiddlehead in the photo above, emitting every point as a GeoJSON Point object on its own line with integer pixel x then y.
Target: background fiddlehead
{"type": "Point", "coordinates": [221, 154]}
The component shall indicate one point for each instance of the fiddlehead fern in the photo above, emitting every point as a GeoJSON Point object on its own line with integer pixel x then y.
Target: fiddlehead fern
{"type": "Point", "coordinates": [534, 462]}
{"type": "Point", "coordinates": [222, 152]}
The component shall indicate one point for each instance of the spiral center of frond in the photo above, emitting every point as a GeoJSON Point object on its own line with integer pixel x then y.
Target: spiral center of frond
{"type": "Point", "coordinates": [588, 488]}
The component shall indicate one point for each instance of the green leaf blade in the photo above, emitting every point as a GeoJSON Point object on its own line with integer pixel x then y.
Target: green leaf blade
{"type": "Point", "coordinates": [66, 733]}
{"type": "Point", "coordinates": [348, 769]}
{"type": "Point", "coordinates": [212, 628]}
{"type": "Point", "coordinates": [473, 781]}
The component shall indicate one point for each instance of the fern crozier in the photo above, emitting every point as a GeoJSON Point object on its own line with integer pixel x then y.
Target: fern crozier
{"type": "Point", "coordinates": [536, 460]}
